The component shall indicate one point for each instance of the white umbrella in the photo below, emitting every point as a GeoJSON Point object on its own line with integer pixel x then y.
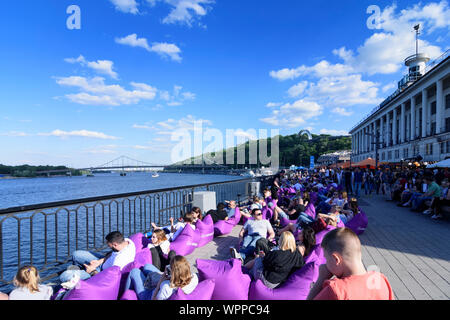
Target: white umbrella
{"type": "Point", "coordinates": [442, 164]}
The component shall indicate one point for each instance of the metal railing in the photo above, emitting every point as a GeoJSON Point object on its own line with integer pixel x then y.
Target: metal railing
{"type": "Point", "coordinates": [45, 235]}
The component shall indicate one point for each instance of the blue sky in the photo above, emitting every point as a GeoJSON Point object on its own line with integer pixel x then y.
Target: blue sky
{"type": "Point", "coordinates": [138, 70]}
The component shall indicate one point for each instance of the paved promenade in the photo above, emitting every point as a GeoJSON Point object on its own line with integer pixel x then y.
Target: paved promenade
{"type": "Point", "coordinates": [411, 249]}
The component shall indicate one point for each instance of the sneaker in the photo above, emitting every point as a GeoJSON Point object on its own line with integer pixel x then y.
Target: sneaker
{"type": "Point", "coordinates": [236, 255]}
{"type": "Point", "coordinates": [72, 283]}
{"type": "Point", "coordinates": [436, 217]}
{"type": "Point", "coordinates": [406, 204]}
{"type": "Point", "coordinates": [73, 267]}
{"type": "Point", "coordinates": [427, 212]}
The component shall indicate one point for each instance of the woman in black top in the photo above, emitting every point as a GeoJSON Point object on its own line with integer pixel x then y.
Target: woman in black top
{"type": "Point", "coordinates": [275, 267]}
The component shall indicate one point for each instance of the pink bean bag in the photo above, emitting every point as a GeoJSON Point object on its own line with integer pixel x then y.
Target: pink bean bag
{"type": "Point", "coordinates": [203, 291]}
{"type": "Point", "coordinates": [316, 256]}
{"type": "Point", "coordinates": [297, 287]}
{"type": "Point", "coordinates": [186, 242]}
{"type": "Point", "coordinates": [129, 295]}
{"type": "Point", "coordinates": [340, 224]}
{"type": "Point", "coordinates": [205, 230]}
{"type": "Point", "coordinates": [142, 258]}
{"type": "Point", "coordinates": [321, 234]}
{"type": "Point", "coordinates": [284, 222]}
{"type": "Point", "coordinates": [236, 218]}
{"type": "Point", "coordinates": [140, 241]}
{"type": "Point", "coordinates": [267, 213]}
{"type": "Point", "coordinates": [103, 286]}
{"type": "Point", "coordinates": [311, 210]}
{"type": "Point", "coordinates": [230, 282]}
{"type": "Point", "coordinates": [359, 223]}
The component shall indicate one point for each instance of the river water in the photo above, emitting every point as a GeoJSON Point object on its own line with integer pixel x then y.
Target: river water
{"type": "Point", "coordinates": [42, 236]}
{"type": "Point", "coordinates": [20, 192]}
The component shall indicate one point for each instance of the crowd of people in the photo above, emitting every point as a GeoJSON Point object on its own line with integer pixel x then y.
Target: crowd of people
{"type": "Point", "coordinates": [270, 251]}
{"type": "Point", "coordinates": [422, 190]}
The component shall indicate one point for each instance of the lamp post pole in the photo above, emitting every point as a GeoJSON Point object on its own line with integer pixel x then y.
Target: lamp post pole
{"type": "Point", "coordinates": [376, 143]}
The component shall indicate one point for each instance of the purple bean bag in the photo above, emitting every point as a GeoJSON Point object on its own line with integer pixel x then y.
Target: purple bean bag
{"type": "Point", "coordinates": [313, 197]}
{"type": "Point", "coordinates": [311, 210]}
{"type": "Point", "coordinates": [359, 223]}
{"type": "Point", "coordinates": [103, 286]}
{"type": "Point", "coordinates": [129, 295]}
{"type": "Point", "coordinates": [222, 228]}
{"type": "Point", "coordinates": [205, 230]}
{"type": "Point", "coordinates": [297, 287]}
{"type": "Point", "coordinates": [140, 241]}
{"type": "Point", "coordinates": [142, 258]}
{"type": "Point", "coordinates": [321, 234]}
{"type": "Point", "coordinates": [186, 242]}
{"type": "Point", "coordinates": [316, 256]}
{"type": "Point", "coordinates": [230, 282]}
{"type": "Point", "coordinates": [284, 222]}
{"type": "Point", "coordinates": [203, 291]}
{"type": "Point", "coordinates": [236, 218]}
{"type": "Point", "coordinates": [267, 213]}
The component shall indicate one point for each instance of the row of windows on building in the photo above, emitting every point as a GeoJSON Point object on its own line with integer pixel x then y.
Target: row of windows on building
{"type": "Point", "coordinates": [408, 123]}
{"type": "Point", "coordinates": [444, 148]}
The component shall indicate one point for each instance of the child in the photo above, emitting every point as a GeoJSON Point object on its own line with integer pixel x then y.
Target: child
{"type": "Point", "coordinates": [342, 250]}
{"type": "Point", "coordinates": [28, 287]}
{"type": "Point", "coordinates": [159, 248]}
{"type": "Point", "coordinates": [175, 230]}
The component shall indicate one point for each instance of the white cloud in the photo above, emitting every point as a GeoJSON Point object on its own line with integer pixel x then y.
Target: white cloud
{"type": "Point", "coordinates": [188, 95]}
{"type": "Point", "coordinates": [100, 66]}
{"type": "Point", "coordinates": [389, 86]}
{"type": "Point", "coordinates": [274, 104]}
{"type": "Point", "coordinates": [133, 41]}
{"type": "Point", "coordinates": [294, 115]}
{"type": "Point", "coordinates": [344, 91]}
{"type": "Point", "coordinates": [186, 11]}
{"type": "Point", "coordinates": [79, 133]}
{"type": "Point", "coordinates": [126, 6]}
{"type": "Point", "coordinates": [333, 132]}
{"type": "Point", "coordinates": [15, 134]}
{"type": "Point", "coordinates": [189, 123]}
{"type": "Point", "coordinates": [163, 49]}
{"type": "Point", "coordinates": [96, 92]}
{"type": "Point", "coordinates": [339, 85]}
{"type": "Point", "coordinates": [298, 89]}
{"type": "Point", "coordinates": [342, 112]}
{"type": "Point", "coordinates": [139, 126]}
{"type": "Point", "coordinates": [167, 50]}
{"type": "Point", "coordinates": [321, 69]}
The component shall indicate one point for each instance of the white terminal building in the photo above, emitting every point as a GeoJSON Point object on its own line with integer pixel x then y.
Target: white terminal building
{"type": "Point", "coordinates": [414, 121]}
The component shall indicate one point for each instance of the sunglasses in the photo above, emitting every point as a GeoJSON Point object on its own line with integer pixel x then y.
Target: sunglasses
{"type": "Point", "coordinates": [258, 214]}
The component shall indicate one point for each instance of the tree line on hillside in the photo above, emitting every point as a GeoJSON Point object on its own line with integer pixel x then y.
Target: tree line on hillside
{"type": "Point", "coordinates": [294, 149]}
{"type": "Point", "coordinates": [31, 171]}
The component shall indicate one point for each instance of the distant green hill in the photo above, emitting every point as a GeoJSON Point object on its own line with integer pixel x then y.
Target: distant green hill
{"type": "Point", "coordinates": [295, 149]}
{"type": "Point", "coordinates": [30, 171]}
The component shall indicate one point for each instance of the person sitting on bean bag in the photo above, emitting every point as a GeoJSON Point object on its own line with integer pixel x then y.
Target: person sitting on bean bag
{"type": "Point", "coordinates": [344, 276]}
{"type": "Point", "coordinates": [256, 229]}
{"type": "Point", "coordinates": [276, 266]}
{"type": "Point", "coordinates": [174, 231]}
{"type": "Point", "coordinates": [219, 214]}
{"type": "Point", "coordinates": [160, 249]}
{"type": "Point", "coordinates": [337, 214]}
{"type": "Point", "coordinates": [197, 212]}
{"type": "Point", "coordinates": [152, 284]}
{"type": "Point", "coordinates": [28, 287]}
{"type": "Point", "coordinates": [87, 264]}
